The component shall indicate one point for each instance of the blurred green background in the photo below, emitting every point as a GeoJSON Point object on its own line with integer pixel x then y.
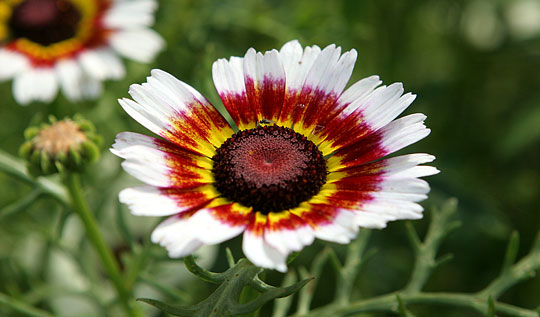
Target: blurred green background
{"type": "Point", "coordinates": [474, 64]}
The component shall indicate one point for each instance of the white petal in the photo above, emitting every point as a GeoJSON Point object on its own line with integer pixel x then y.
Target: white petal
{"type": "Point", "coordinates": [75, 83]}
{"type": "Point", "coordinates": [130, 14]}
{"type": "Point", "coordinates": [146, 164]}
{"type": "Point", "coordinates": [418, 171]}
{"type": "Point", "coordinates": [265, 82]}
{"type": "Point", "coordinates": [414, 197]}
{"type": "Point", "coordinates": [400, 163]}
{"type": "Point", "coordinates": [228, 79]}
{"type": "Point", "coordinates": [147, 115]}
{"type": "Point", "coordinates": [403, 132]}
{"type": "Point", "coordinates": [287, 241]}
{"type": "Point", "coordinates": [102, 63]}
{"type": "Point", "coordinates": [357, 92]}
{"type": "Point", "coordinates": [331, 70]}
{"type": "Point", "coordinates": [175, 234]}
{"type": "Point", "coordinates": [342, 229]}
{"type": "Point", "coordinates": [149, 201]}
{"type": "Point", "coordinates": [297, 63]}
{"type": "Point", "coordinates": [91, 88]}
{"type": "Point", "coordinates": [258, 66]}
{"type": "Point", "coordinates": [164, 99]}
{"type": "Point", "coordinates": [210, 230]}
{"type": "Point", "coordinates": [388, 210]}
{"type": "Point", "coordinates": [404, 185]}
{"type": "Point", "coordinates": [260, 253]}
{"type": "Point", "coordinates": [35, 84]}
{"type": "Point", "coordinates": [370, 220]}
{"type": "Point", "coordinates": [141, 44]}
{"type": "Point", "coordinates": [70, 76]}
{"type": "Point", "coordinates": [11, 63]}
{"type": "Point", "coordinates": [228, 76]}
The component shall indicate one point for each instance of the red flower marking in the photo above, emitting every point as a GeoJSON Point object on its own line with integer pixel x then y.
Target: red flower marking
{"type": "Point", "coordinates": [189, 199]}
{"type": "Point", "coordinates": [228, 215]}
{"type": "Point", "coordinates": [266, 97]}
{"type": "Point", "coordinates": [239, 107]}
{"type": "Point", "coordinates": [286, 221]}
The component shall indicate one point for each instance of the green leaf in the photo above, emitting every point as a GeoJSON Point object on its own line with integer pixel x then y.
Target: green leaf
{"type": "Point", "coordinates": [21, 204]}
{"type": "Point", "coordinates": [511, 252]}
{"type": "Point", "coordinates": [200, 272]}
{"type": "Point", "coordinates": [230, 257]}
{"type": "Point", "coordinates": [282, 306]}
{"type": "Point", "coordinates": [491, 307]}
{"type": "Point", "coordinates": [224, 301]}
{"type": "Point", "coordinates": [170, 309]}
{"type": "Point", "coordinates": [268, 296]}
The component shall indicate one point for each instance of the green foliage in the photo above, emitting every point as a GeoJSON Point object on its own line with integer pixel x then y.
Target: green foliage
{"type": "Point", "coordinates": [224, 300]}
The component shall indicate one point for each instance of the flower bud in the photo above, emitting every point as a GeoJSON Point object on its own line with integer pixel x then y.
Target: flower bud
{"type": "Point", "coordinates": [57, 146]}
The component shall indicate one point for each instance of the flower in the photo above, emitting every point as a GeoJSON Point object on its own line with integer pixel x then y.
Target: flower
{"type": "Point", "coordinates": [68, 144]}
{"type": "Point", "coordinates": [306, 162]}
{"type": "Point", "coordinates": [72, 44]}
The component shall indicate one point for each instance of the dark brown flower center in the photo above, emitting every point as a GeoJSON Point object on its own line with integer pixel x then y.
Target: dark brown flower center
{"type": "Point", "coordinates": [269, 168]}
{"type": "Point", "coordinates": [44, 21]}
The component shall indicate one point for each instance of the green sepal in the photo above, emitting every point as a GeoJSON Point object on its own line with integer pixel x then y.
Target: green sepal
{"type": "Point", "coordinates": [75, 158]}
{"type": "Point", "coordinates": [62, 158]}
{"type": "Point", "coordinates": [60, 168]}
{"type": "Point", "coordinates": [45, 163]}
{"type": "Point", "coordinates": [84, 125]}
{"type": "Point", "coordinates": [90, 151]}
{"type": "Point", "coordinates": [31, 132]}
{"type": "Point", "coordinates": [25, 151]}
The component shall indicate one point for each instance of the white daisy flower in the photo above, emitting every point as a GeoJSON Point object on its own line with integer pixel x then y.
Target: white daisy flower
{"type": "Point", "coordinates": [73, 45]}
{"type": "Point", "coordinates": [309, 158]}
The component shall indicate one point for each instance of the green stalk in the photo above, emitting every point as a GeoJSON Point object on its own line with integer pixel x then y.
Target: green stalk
{"type": "Point", "coordinates": [80, 206]}
{"type": "Point", "coordinates": [15, 167]}
{"type": "Point", "coordinates": [389, 303]}
{"type": "Point", "coordinates": [22, 307]}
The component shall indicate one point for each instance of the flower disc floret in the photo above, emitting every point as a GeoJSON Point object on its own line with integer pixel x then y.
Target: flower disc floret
{"type": "Point", "coordinates": [45, 21]}
{"type": "Point", "coordinates": [269, 168]}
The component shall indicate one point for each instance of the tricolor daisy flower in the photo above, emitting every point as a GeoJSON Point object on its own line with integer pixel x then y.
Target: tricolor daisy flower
{"type": "Point", "coordinates": [304, 161]}
{"type": "Point", "coordinates": [72, 44]}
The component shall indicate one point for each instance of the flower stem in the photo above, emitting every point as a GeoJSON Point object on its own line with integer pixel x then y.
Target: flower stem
{"type": "Point", "coordinates": [388, 303]}
{"type": "Point", "coordinates": [80, 206]}
{"type": "Point", "coordinates": [349, 271]}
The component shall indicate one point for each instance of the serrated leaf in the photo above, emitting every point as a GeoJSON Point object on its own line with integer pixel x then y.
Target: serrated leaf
{"type": "Point", "coordinates": [277, 292]}
{"type": "Point", "coordinates": [170, 309]}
